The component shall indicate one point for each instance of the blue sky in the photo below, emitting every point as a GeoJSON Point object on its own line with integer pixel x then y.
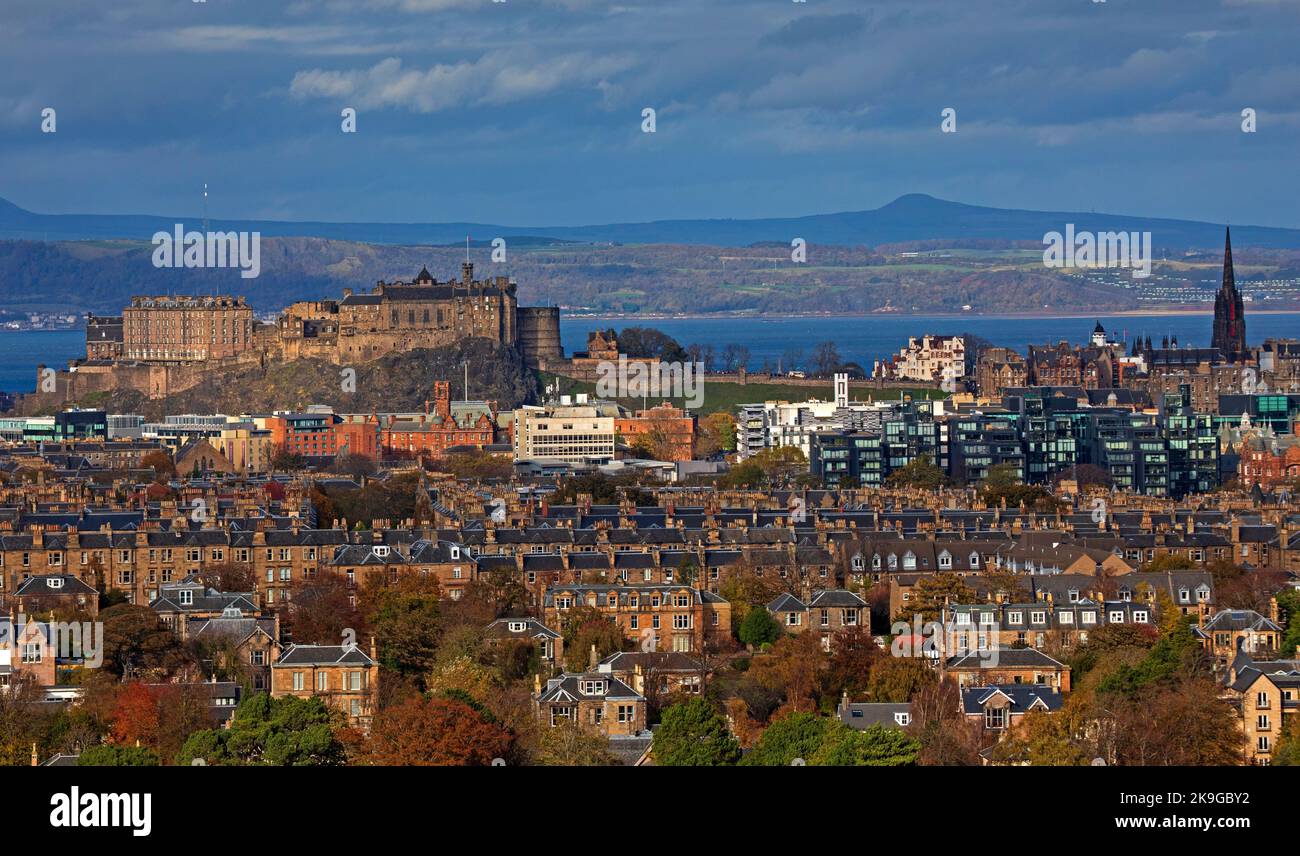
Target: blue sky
{"type": "Point", "coordinates": [529, 111]}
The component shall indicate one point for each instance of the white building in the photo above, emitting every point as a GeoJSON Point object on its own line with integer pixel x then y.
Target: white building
{"type": "Point", "coordinates": [929, 359]}
{"type": "Point", "coordinates": [573, 431]}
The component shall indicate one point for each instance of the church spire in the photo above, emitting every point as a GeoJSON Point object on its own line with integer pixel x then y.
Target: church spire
{"type": "Point", "coordinates": [1229, 311]}
{"type": "Point", "coordinates": [1229, 280]}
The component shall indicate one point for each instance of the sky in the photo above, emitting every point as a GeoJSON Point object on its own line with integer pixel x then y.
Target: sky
{"type": "Point", "coordinates": [530, 112]}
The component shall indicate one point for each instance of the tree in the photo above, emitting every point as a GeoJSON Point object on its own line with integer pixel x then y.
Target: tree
{"type": "Point", "coordinates": [321, 610]}
{"type": "Point", "coordinates": [437, 732]}
{"type": "Point", "coordinates": [948, 738]}
{"type": "Point", "coordinates": [797, 666]}
{"type": "Point", "coordinates": [405, 616]}
{"type": "Point", "coordinates": [21, 720]}
{"type": "Point", "coordinates": [135, 716]}
{"type": "Point", "coordinates": [231, 577]}
{"type": "Point", "coordinates": [586, 627]}
{"type": "Point", "coordinates": [285, 460]}
{"type": "Point", "coordinates": [280, 732]}
{"type": "Point", "coordinates": [1043, 740]}
{"type": "Point", "coordinates": [117, 756]}
{"type": "Point", "coordinates": [853, 654]}
{"type": "Point", "coordinates": [717, 434]}
{"type": "Point", "coordinates": [931, 593]}
{"type": "Point", "coordinates": [136, 642]}
{"type": "Point", "coordinates": [649, 342]}
{"type": "Point", "coordinates": [798, 735]}
{"type": "Point", "coordinates": [759, 628]}
{"type": "Point", "coordinates": [354, 465]}
{"type": "Point", "coordinates": [1288, 606]}
{"type": "Point", "coordinates": [920, 472]}
{"type": "Point", "coordinates": [874, 746]}
{"type": "Point", "coordinates": [692, 734]}
{"type": "Point", "coordinates": [572, 744]}
{"type": "Point", "coordinates": [161, 464]}
{"type": "Point", "coordinates": [825, 358]}
{"type": "Point", "coordinates": [898, 679]}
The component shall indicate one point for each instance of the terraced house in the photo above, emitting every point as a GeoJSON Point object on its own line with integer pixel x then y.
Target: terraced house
{"type": "Point", "coordinates": [656, 617]}
{"type": "Point", "coordinates": [1267, 693]}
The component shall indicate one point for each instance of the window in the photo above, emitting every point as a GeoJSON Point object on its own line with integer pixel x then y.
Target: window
{"type": "Point", "coordinates": [1089, 617]}
{"type": "Point", "coordinates": [995, 718]}
{"type": "Point", "coordinates": [1140, 616]}
{"type": "Point", "coordinates": [1015, 617]}
{"type": "Point", "coordinates": [1066, 617]}
{"type": "Point", "coordinates": [1261, 700]}
{"type": "Point", "coordinates": [297, 681]}
{"type": "Point", "coordinates": [32, 652]}
{"type": "Point", "coordinates": [258, 658]}
{"type": "Point", "coordinates": [945, 560]}
{"type": "Point", "coordinates": [322, 681]}
{"type": "Point", "coordinates": [626, 713]}
{"type": "Point", "coordinates": [903, 718]}
{"type": "Point", "coordinates": [187, 597]}
{"type": "Point", "coordinates": [1116, 616]}
{"type": "Point", "coordinates": [1038, 617]}
{"type": "Point", "coordinates": [1261, 722]}
{"type": "Point", "coordinates": [792, 619]}
{"type": "Point", "coordinates": [681, 622]}
{"type": "Point", "coordinates": [592, 687]}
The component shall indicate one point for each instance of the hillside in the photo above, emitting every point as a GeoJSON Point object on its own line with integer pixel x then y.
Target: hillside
{"type": "Point", "coordinates": [909, 218]}
{"type": "Point", "coordinates": [398, 382]}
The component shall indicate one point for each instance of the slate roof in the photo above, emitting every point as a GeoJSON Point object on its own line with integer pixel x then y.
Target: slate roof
{"type": "Point", "coordinates": [1024, 697]}
{"type": "Point", "coordinates": [40, 584]}
{"type": "Point", "coordinates": [324, 655]}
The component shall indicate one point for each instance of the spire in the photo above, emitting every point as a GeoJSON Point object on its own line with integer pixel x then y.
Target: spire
{"type": "Point", "coordinates": [1229, 280]}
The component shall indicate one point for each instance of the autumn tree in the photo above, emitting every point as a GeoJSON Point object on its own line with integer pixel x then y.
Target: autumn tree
{"type": "Point", "coordinates": [853, 654]}
{"type": "Point", "coordinates": [137, 643]}
{"type": "Point", "coordinates": [585, 627]}
{"type": "Point", "coordinates": [796, 666]}
{"type": "Point", "coordinates": [693, 734]}
{"type": "Point", "coordinates": [930, 594]}
{"type": "Point", "coordinates": [572, 744]}
{"type": "Point", "coordinates": [717, 433]}
{"type": "Point", "coordinates": [405, 616]}
{"type": "Point", "coordinates": [948, 738]}
{"type": "Point", "coordinates": [161, 464]}
{"type": "Point", "coordinates": [437, 732]}
{"type": "Point", "coordinates": [898, 679]}
{"type": "Point", "coordinates": [321, 609]}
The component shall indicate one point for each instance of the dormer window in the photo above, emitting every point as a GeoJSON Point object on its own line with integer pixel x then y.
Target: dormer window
{"type": "Point", "coordinates": [593, 688]}
{"type": "Point", "coordinates": [875, 562]}
{"type": "Point", "coordinates": [903, 718]}
{"type": "Point", "coordinates": [455, 552]}
{"type": "Point", "coordinates": [945, 560]}
{"type": "Point", "coordinates": [54, 582]}
{"type": "Point", "coordinates": [518, 626]}
{"type": "Point", "coordinates": [909, 561]}
{"type": "Point", "coordinates": [187, 597]}
{"type": "Point", "coordinates": [1184, 596]}
{"type": "Point", "coordinates": [1074, 595]}
{"type": "Point", "coordinates": [975, 560]}
{"type": "Point", "coordinates": [893, 562]}
{"type": "Point", "coordinates": [858, 563]}
{"type": "Point", "coordinates": [381, 551]}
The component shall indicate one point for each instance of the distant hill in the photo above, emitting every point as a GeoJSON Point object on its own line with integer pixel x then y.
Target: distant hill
{"type": "Point", "coordinates": [914, 217]}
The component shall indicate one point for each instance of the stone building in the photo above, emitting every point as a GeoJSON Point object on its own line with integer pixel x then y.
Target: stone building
{"type": "Point", "coordinates": [181, 329]}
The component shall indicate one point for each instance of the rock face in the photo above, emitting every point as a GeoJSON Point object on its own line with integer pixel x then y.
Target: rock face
{"type": "Point", "coordinates": [396, 382]}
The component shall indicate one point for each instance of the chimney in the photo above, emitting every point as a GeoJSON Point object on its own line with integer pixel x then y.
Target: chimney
{"type": "Point", "coordinates": [593, 659]}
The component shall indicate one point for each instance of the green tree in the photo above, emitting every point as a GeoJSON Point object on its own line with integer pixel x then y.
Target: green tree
{"type": "Point", "coordinates": [692, 734]}
{"type": "Point", "coordinates": [280, 732]}
{"type": "Point", "coordinates": [759, 628]}
{"type": "Point", "coordinates": [931, 593]}
{"type": "Point", "coordinates": [107, 755]}
{"type": "Point", "coordinates": [920, 472]}
{"type": "Point", "coordinates": [875, 746]}
{"type": "Point", "coordinates": [798, 735]}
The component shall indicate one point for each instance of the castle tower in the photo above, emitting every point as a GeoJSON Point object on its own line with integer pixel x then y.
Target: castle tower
{"type": "Point", "coordinates": [1229, 314]}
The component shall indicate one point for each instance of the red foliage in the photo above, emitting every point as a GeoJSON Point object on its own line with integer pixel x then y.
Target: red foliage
{"type": "Point", "coordinates": [434, 733]}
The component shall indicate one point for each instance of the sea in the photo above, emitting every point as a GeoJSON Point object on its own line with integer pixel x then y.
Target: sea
{"type": "Point", "coordinates": [858, 338]}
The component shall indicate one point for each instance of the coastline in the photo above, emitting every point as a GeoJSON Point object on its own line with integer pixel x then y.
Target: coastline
{"type": "Point", "coordinates": [719, 316]}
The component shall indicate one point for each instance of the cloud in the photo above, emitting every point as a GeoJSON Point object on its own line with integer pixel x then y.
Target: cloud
{"type": "Point", "coordinates": [499, 77]}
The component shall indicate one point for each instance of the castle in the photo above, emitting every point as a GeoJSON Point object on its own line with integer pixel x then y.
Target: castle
{"type": "Point", "coordinates": [164, 344]}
